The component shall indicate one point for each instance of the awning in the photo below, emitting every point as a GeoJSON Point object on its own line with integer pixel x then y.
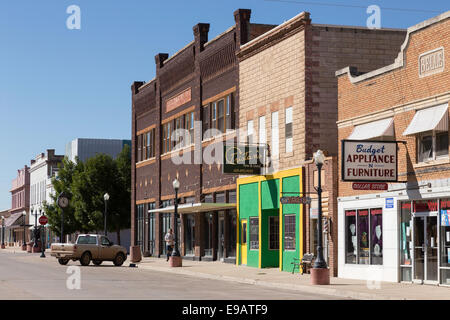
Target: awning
{"type": "Point", "coordinates": [196, 207]}
{"type": "Point", "coordinates": [434, 118]}
{"type": "Point", "coordinates": [15, 220]}
{"type": "Point", "coordinates": [373, 129]}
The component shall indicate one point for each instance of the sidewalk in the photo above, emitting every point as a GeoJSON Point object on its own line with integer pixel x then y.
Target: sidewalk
{"type": "Point", "coordinates": [272, 277]}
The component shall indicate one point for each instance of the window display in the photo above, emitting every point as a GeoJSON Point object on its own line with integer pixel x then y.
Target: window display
{"type": "Point", "coordinates": [376, 224]}
{"type": "Point", "coordinates": [350, 228]}
{"type": "Point", "coordinates": [254, 233]}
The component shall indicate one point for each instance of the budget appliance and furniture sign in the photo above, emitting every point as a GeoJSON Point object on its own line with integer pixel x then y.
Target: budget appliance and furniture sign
{"type": "Point", "coordinates": [369, 161]}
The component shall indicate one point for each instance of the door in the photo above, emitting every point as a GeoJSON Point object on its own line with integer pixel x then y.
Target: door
{"type": "Point", "coordinates": [244, 241]}
{"type": "Point", "coordinates": [221, 239]}
{"type": "Point", "coordinates": [190, 235]}
{"type": "Point", "coordinates": [425, 249]}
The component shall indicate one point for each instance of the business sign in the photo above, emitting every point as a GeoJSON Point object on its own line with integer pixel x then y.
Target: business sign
{"type": "Point", "coordinates": [369, 186]}
{"type": "Point", "coordinates": [243, 159]}
{"type": "Point", "coordinates": [369, 161]}
{"type": "Point", "coordinates": [295, 200]}
{"type": "Point", "coordinates": [431, 62]}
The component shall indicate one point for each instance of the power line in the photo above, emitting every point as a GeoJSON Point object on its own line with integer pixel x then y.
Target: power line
{"type": "Point", "coordinates": [352, 6]}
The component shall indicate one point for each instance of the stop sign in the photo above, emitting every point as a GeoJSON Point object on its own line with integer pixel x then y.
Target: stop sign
{"type": "Point", "coordinates": [43, 220]}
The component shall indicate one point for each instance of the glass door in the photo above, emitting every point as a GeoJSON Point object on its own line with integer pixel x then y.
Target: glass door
{"type": "Point", "coordinates": [425, 249]}
{"type": "Point", "coordinates": [190, 235]}
{"type": "Point", "coordinates": [221, 240]}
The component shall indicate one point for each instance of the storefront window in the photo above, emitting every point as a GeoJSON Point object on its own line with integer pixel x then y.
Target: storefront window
{"type": "Point", "coordinates": [190, 235]}
{"type": "Point", "coordinates": [364, 244]}
{"type": "Point", "coordinates": [406, 242]}
{"type": "Point", "coordinates": [231, 216]}
{"type": "Point", "coordinates": [254, 233]}
{"type": "Point", "coordinates": [350, 229]}
{"type": "Point", "coordinates": [208, 220]}
{"type": "Point", "coordinates": [363, 236]}
{"type": "Point", "coordinates": [445, 241]}
{"type": "Point", "coordinates": [376, 226]}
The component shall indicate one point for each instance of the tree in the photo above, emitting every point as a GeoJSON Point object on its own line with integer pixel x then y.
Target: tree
{"type": "Point", "coordinates": [63, 182]}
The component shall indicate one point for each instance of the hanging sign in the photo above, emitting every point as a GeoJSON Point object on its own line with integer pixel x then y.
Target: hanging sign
{"type": "Point", "coordinates": [369, 161]}
{"type": "Point", "coordinates": [295, 200]}
{"type": "Point", "coordinates": [243, 159]}
{"type": "Point", "coordinates": [369, 186]}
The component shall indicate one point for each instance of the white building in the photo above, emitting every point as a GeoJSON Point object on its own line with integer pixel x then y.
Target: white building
{"type": "Point", "coordinates": [42, 169]}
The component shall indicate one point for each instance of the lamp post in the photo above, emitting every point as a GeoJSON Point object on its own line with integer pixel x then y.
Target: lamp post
{"type": "Point", "coordinates": [24, 245]}
{"type": "Point", "coordinates": [176, 257]}
{"type": "Point", "coordinates": [106, 198]}
{"type": "Point", "coordinates": [42, 236]}
{"type": "Point", "coordinates": [3, 232]}
{"type": "Point", "coordinates": [63, 202]}
{"type": "Point", "coordinates": [35, 245]}
{"type": "Point", "coordinates": [320, 273]}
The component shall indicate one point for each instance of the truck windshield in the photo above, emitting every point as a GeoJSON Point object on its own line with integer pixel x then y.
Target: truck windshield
{"type": "Point", "coordinates": [86, 240]}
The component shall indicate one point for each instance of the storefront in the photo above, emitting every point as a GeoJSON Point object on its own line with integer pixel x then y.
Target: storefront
{"type": "Point", "coordinates": [270, 234]}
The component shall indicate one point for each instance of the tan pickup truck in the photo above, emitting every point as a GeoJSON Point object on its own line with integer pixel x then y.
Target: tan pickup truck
{"type": "Point", "coordinates": [89, 247]}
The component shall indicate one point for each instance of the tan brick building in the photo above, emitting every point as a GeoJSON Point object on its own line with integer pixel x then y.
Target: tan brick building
{"type": "Point", "coordinates": [407, 101]}
{"type": "Point", "coordinates": [288, 100]}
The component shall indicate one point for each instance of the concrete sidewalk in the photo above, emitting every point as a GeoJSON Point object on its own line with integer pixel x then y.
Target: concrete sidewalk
{"type": "Point", "coordinates": [272, 277]}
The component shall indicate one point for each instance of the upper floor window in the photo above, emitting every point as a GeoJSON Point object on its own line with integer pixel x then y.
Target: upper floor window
{"type": "Point", "coordinates": [432, 145]}
{"type": "Point", "coordinates": [146, 145]}
{"type": "Point", "coordinates": [218, 115]}
{"type": "Point", "coordinates": [288, 130]}
{"type": "Point", "coordinates": [178, 132]}
{"type": "Point", "coordinates": [250, 131]}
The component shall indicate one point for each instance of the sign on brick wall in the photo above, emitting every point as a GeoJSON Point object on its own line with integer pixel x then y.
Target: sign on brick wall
{"type": "Point", "coordinates": [369, 161]}
{"type": "Point", "coordinates": [178, 100]}
{"type": "Point", "coordinates": [431, 62]}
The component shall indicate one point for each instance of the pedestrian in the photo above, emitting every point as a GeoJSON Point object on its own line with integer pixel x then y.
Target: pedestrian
{"type": "Point", "coordinates": [169, 242]}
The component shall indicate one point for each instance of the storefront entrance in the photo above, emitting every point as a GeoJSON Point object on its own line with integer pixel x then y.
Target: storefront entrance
{"type": "Point", "coordinates": [425, 249]}
{"type": "Point", "coordinates": [244, 241]}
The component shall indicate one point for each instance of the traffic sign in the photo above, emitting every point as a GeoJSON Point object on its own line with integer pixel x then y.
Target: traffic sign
{"type": "Point", "coordinates": [43, 220]}
{"type": "Point", "coordinates": [370, 186]}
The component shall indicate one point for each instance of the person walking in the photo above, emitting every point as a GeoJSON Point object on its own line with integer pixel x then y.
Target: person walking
{"type": "Point", "coordinates": [169, 242]}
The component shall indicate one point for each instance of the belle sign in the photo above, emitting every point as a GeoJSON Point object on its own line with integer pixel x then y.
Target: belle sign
{"type": "Point", "coordinates": [369, 161]}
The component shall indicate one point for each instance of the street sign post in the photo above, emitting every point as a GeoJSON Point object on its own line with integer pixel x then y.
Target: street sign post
{"type": "Point", "coordinates": [43, 220]}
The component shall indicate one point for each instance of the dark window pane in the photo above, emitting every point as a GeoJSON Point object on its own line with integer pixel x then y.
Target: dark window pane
{"type": "Point", "coordinates": [274, 233]}
{"type": "Point", "coordinates": [376, 235]}
{"type": "Point", "coordinates": [254, 234]}
{"type": "Point", "coordinates": [289, 232]}
{"type": "Point", "coordinates": [441, 144]}
{"type": "Point", "coordinates": [426, 148]}
{"type": "Point", "coordinates": [288, 130]}
{"type": "Point", "coordinates": [363, 236]}
{"type": "Point", "coordinates": [351, 238]}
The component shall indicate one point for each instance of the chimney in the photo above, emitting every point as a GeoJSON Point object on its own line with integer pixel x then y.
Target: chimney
{"type": "Point", "coordinates": [159, 59]}
{"type": "Point", "coordinates": [135, 86]}
{"type": "Point", "coordinates": [242, 19]}
{"type": "Point", "coordinates": [201, 35]}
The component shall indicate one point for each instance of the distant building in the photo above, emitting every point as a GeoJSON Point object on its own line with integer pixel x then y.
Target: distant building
{"type": "Point", "coordinates": [20, 205]}
{"type": "Point", "coordinates": [87, 148]}
{"type": "Point", "coordinates": [43, 168]}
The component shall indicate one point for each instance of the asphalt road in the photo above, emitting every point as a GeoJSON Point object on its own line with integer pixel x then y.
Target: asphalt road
{"type": "Point", "coordinates": [27, 276]}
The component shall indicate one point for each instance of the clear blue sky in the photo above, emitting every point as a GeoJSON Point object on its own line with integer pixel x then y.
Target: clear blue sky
{"type": "Point", "coordinates": [58, 84]}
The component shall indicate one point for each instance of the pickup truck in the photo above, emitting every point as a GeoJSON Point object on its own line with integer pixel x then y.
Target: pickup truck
{"type": "Point", "coordinates": [89, 247]}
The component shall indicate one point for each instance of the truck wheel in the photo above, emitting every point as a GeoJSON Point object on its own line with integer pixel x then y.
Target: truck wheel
{"type": "Point", "coordinates": [85, 259]}
{"type": "Point", "coordinates": [119, 259]}
{"type": "Point", "coordinates": [97, 262]}
{"type": "Point", "coordinates": [63, 261]}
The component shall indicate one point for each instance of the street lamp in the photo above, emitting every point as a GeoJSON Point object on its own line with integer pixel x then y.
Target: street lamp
{"type": "Point", "coordinates": [106, 197]}
{"type": "Point", "coordinates": [175, 253]}
{"type": "Point", "coordinates": [24, 231]}
{"type": "Point", "coordinates": [319, 159]}
{"type": "Point", "coordinates": [3, 232]}
{"type": "Point", "coordinates": [35, 245]}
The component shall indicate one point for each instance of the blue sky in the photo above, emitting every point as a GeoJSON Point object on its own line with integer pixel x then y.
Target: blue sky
{"type": "Point", "coordinates": [58, 84]}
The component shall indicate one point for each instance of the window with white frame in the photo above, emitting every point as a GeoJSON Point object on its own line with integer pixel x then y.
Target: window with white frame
{"type": "Point", "coordinates": [432, 145]}
{"type": "Point", "coordinates": [288, 129]}
{"type": "Point", "coordinates": [254, 233]}
{"type": "Point", "coordinates": [275, 136]}
{"type": "Point", "coordinates": [262, 130]}
{"type": "Point", "coordinates": [250, 131]}
{"type": "Point", "coordinates": [274, 233]}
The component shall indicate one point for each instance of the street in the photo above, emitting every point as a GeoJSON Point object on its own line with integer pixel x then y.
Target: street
{"type": "Point", "coordinates": [27, 276]}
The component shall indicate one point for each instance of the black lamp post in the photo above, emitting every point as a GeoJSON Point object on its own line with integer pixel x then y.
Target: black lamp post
{"type": "Point", "coordinates": [106, 198]}
{"type": "Point", "coordinates": [319, 263]}
{"type": "Point", "coordinates": [176, 186]}
{"type": "Point", "coordinates": [63, 202]}
{"type": "Point", "coordinates": [35, 245]}
{"type": "Point", "coordinates": [3, 232]}
{"type": "Point", "coordinates": [42, 236]}
{"type": "Point", "coordinates": [24, 231]}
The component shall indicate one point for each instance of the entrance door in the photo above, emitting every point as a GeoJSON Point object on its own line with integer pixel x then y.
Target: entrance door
{"type": "Point", "coordinates": [221, 239]}
{"type": "Point", "coordinates": [190, 235]}
{"type": "Point", "coordinates": [244, 241]}
{"type": "Point", "coordinates": [425, 249]}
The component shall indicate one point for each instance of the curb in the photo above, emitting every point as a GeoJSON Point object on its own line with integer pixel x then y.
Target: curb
{"type": "Point", "coordinates": [303, 288]}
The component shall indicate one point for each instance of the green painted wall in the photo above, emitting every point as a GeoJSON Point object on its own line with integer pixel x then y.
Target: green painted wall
{"type": "Point", "coordinates": [248, 207]}
{"type": "Point", "coordinates": [291, 184]}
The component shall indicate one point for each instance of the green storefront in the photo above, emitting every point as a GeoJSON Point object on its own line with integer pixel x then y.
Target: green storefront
{"type": "Point", "coordinates": [262, 240]}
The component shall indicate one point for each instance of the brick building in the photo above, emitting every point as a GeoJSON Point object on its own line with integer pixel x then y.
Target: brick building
{"type": "Point", "coordinates": [20, 205]}
{"type": "Point", "coordinates": [197, 85]}
{"type": "Point", "coordinates": [288, 100]}
{"type": "Point", "coordinates": [407, 237]}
